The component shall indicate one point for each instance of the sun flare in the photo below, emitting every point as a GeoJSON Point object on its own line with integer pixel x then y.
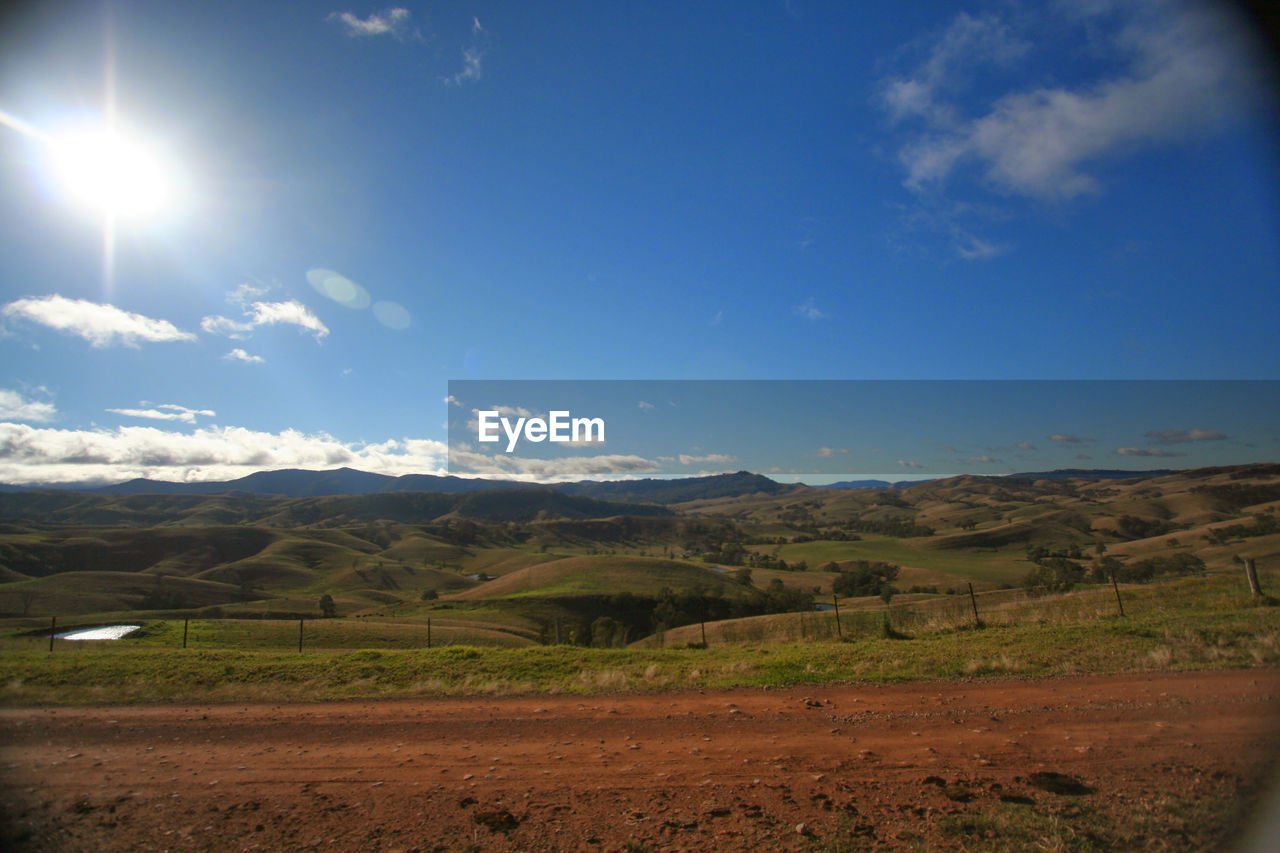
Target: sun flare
{"type": "Point", "coordinates": [111, 174]}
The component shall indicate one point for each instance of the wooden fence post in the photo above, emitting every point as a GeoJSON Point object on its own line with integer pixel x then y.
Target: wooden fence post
{"type": "Point", "coordinates": [185, 623]}
{"type": "Point", "coordinates": [1116, 587]}
{"type": "Point", "coordinates": [973, 600]}
{"type": "Point", "coordinates": [835, 602]}
{"type": "Point", "coordinates": [53, 629]}
{"type": "Point", "coordinates": [300, 621]}
{"type": "Point", "coordinates": [1251, 572]}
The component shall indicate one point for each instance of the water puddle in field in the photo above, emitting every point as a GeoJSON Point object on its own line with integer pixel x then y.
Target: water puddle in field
{"type": "Point", "coordinates": [106, 632]}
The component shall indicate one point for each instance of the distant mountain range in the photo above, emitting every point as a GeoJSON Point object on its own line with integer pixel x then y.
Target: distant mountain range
{"type": "Point", "coordinates": [871, 484]}
{"type": "Point", "coordinates": [298, 483]}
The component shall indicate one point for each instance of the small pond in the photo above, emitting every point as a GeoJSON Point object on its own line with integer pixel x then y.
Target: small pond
{"type": "Point", "coordinates": [106, 632]}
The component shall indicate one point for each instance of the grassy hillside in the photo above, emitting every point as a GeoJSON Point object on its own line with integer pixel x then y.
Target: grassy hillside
{"type": "Point", "coordinates": [530, 559]}
{"type": "Point", "coordinates": [604, 576]}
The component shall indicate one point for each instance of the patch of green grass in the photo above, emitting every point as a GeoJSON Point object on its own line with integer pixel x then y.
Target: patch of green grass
{"type": "Point", "coordinates": [1006, 565]}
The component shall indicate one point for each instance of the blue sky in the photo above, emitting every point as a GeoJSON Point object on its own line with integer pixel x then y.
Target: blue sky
{"type": "Point", "coordinates": [358, 203]}
{"type": "Point", "coordinates": [821, 431]}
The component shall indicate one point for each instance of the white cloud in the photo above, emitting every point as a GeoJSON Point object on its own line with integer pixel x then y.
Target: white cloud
{"type": "Point", "coordinates": [1147, 451]}
{"type": "Point", "coordinates": [40, 455]}
{"type": "Point", "coordinates": [292, 313]}
{"type": "Point", "coordinates": [393, 22]}
{"type": "Point", "coordinates": [985, 460]}
{"type": "Point", "coordinates": [239, 354]}
{"type": "Point", "coordinates": [452, 401]}
{"type": "Point", "coordinates": [15, 407]}
{"type": "Point", "coordinates": [225, 326]}
{"type": "Point", "coordinates": [714, 458]}
{"type": "Point", "coordinates": [166, 412]}
{"type": "Point", "coordinates": [829, 452]}
{"type": "Point", "coordinates": [1066, 438]}
{"type": "Point", "coordinates": [257, 314]}
{"type": "Point", "coordinates": [1025, 445]}
{"type": "Point", "coordinates": [907, 463]}
{"type": "Point", "coordinates": [808, 310]}
{"type": "Point", "coordinates": [1180, 436]}
{"type": "Point", "coordinates": [100, 324]}
{"type": "Point", "coordinates": [1174, 70]}
{"type": "Point", "coordinates": [645, 406]}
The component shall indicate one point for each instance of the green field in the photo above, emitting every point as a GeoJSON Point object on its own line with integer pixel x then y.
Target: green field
{"type": "Point", "coordinates": [1194, 623]}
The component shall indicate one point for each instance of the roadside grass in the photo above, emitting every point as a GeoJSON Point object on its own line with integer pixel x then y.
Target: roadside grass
{"type": "Point", "coordinates": [1196, 623]}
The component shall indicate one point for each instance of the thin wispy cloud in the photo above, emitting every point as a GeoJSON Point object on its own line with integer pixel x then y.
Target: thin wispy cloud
{"type": "Point", "coordinates": [102, 325]}
{"type": "Point", "coordinates": [985, 460]}
{"type": "Point", "coordinates": [831, 452]}
{"type": "Point", "coordinates": [1147, 451]}
{"type": "Point", "coordinates": [1025, 445]}
{"type": "Point", "coordinates": [710, 458]}
{"type": "Point", "coordinates": [645, 406]}
{"type": "Point", "coordinates": [808, 310]}
{"type": "Point", "coordinates": [1181, 436]}
{"type": "Point", "coordinates": [14, 406]}
{"type": "Point", "coordinates": [390, 22]}
{"type": "Point", "coordinates": [473, 56]}
{"type": "Point", "coordinates": [1067, 438]}
{"type": "Point", "coordinates": [166, 412]}
{"type": "Point", "coordinates": [907, 463]}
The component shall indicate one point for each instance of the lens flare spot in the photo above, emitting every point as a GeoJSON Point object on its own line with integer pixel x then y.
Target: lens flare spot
{"type": "Point", "coordinates": [392, 315]}
{"type": "Point", "coordinates": [339, 288]}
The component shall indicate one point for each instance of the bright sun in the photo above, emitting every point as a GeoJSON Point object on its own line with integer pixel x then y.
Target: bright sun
{"type": "Point", "coordinates": [111, 174]}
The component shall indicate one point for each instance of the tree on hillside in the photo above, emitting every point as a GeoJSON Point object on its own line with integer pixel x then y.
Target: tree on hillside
{"type": "Point", "coordinates": [327, 608]}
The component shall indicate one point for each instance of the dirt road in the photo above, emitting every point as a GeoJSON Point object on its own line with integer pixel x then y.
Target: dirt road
{"type": "Point", "coordinates": [900, 765]}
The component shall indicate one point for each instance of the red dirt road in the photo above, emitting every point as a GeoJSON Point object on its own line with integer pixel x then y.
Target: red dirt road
{"type": "Point", "coordinates": [735, 770]}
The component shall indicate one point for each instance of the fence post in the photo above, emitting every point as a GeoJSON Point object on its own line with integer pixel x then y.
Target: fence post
{"type": "Point", "coordinates": [185, 623]}
{"type": "Point", "coordinates": [1251, 572]}
{"type": "Point", "coordinates": [300, 621]}
{"type": "Point", "coordinates": [1116, 587]}
{"type": "Point", "coordinates": [53, 629]}
{"type": "Point", "coordinates": [973, 600]}
{"type": "Point", "coordinates": [835, 602]}
{"type": "Point", "coordinates": [704, 633]}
